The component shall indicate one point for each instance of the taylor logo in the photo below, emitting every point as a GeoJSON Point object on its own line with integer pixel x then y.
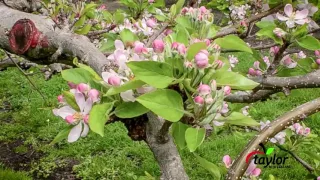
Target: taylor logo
{"type": "Point", "coordinates": [268, 158]}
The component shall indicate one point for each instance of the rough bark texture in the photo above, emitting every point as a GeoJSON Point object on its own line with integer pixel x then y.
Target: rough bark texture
{"type": "Point", "coordinates": [239, 166]}
{"type": "Point", "coordinates": [166, 154]}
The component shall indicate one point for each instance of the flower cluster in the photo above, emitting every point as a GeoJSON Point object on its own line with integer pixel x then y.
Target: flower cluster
{"type": "Point", "coordinates": [257, 70]}
{"type": "Point", "coordinates": [252, 170]}
{"type": "Point", "coordinates": [300, 130]}
{"type": "Point", "coordinates": [79, 115]}
{"type": "Point", "coordinates": [200, 14]}
{"type": "Point", "coordinates": [292, 18]}
{"type": "Point", "coordinates": [317, 53]}
{"type": "Point", "coordinates": [239, 12]}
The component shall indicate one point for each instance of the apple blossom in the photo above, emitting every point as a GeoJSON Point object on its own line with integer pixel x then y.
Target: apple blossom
{"type": "Point", "coordinates": [151, 1]}
{"type": "Point", "coordinates": [167, 32]}
{"type": "Point", "coordinates": [233, 60]}
{"type": "Point", "coordinates": [256, 65]}
{"type": "Point", "coordinates": [82, 87]}
{"type": "Point", "coordinates": [292, 18]}
{"type": "Point", "coordinates": [204, 89]}
{"type": "Point", "coordinates": [94, 95]}
{"type": "Point", "coordinates": [60, 98]}
{"type": "Point", "coordinates": [318, 61]}
{"type": "Point", "coordinates": [301, 55]}
{"type": "Point", "coordinates": [252, 170]}
{"type": "Point", "coordinates": [139, 47]}
{"type": "Point", "coordinates": [317, 53]}
{"type": "Point", "coordinates": [279, 32]}
{"type": "Point", "coordinates": [209, 100]}
{"type": "Point", "coordinates": [274, 50]}
{"type": "Point", "coordinates": [288, 62]}
{"type": "Point", "coordinates": [199, 100]}
{"type": "Point", "coordinates": [258, 73]}
{"type": "Point", "coordinates": [225, 108]}
{"type": "Point", "coordinates": [227, 161]}
{"type": "Point", "coordinates": [279, 138]}
{"type": "Point", "coordinates": [318, 178]}
{"type": "Point", "coordinates": [72, 85]}
{"type": "Point", "coordinates": [151, 23]}
{"type": "Point", "coordinates": [219, 64]}
{"type": "Point", "coordinates": [252, 72]}
{"type": "Point", "coordinates": [181, 49]}
{"type": "Point", "coordinates": [227, 90]}
{"type": "Point", "coordinates": [213, 85]}
{"type": "Point", "coordinates": [158, 46]}
{"type": "Point", "coordinates": [174, 45]}
{"type": "Point", "coordinates": [201, 60]}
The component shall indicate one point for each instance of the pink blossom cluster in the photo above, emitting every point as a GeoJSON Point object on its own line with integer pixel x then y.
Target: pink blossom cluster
{"type": "Point", "coordinates": [200, 14]}
{"type": "Point", "coordinates": [300, 130]}
{"type": "Point", "coordinates": [84, 97]}
{"type": "Point", "coordinates": [252, 170]}
{"type": "Point", "coordinates": [317, 53]}
{"type": "Point", "coordinates": [239, 12]}
{"type": "Point", "coordinates": [278, 138]}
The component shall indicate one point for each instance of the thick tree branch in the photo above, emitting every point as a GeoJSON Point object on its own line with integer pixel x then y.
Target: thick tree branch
{"type": "Point", "coordinates": [239, 166]}
{"type": "Point", "coordinates": [246, 97]}
{"type": "Point", "coordinates": [166, 154]}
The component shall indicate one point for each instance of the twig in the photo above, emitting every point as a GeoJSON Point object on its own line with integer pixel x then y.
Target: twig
{"type": "Point", "coordinates": [26, 75]}
{"type": "Point", "coordinates": [163, 132]}
{"type": "Point", "coordinates": [297, 158]}
{"type": "Point", "coordinates": [298, 114]}
{"type": "Point", "coordinates": [156, 34]}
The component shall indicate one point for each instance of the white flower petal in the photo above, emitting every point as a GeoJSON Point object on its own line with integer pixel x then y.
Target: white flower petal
{"type": "Point", "coordinates": [288, 10]}
{"type": "Point", "coordinates": [119, 44]}
{"type": "Point", "coordinates": [281, 17]}
{"type": "Point", "coordinates": [290, 24]}
{"type": "Point", "coordinates": [80, 100]}
{"type": "Point", "coordinates": [64, 111]}
{"type": "Point", "coordinates": [85, 130]}
{"type": "Point", "coordinates": [75, 133]}
{"type": "Point", "coordinates": [302, 14]}
{"type": "Point", "coordinates": [300, 21]}
{"type": "Point", "coordinates": [87, 106]}
{"type": "Point", "coordinates": [292, 65]}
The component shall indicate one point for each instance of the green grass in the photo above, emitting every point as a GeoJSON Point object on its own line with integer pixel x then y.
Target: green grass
{"type": "Point", "coordinates": [7, 174]}
{"type": "Point", "coordinates": [115, 156]}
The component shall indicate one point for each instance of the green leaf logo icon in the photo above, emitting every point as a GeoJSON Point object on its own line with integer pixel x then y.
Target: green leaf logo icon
{"type": "Point", "coordinates": [269, 151]}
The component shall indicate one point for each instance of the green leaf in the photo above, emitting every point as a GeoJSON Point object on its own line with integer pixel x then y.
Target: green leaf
{"type": "Point", "coordinates": [312, 155]}
{"type": "Point", "coordinates": [127, 36]}
{"type": "Point", "coordinates": [182, 36]}
{"type": "Point", "coordinates": [194, 49]}
{"type": "Point", "coordinates": [234, 80]}
{"type": "Point", "coordinates": [185, 22]}
{"type": "Point", "coordinates": [266, 24]}
{"type": "Point", "coordinates": [77, 75]}
{"type": "Point", "coordinates": [118, 17]}
{"type": "Point", "coordinates": [233, 42]}
{"type": "Point", "coordinates": [84, 30]}
{"type": "Point", "coordinates": [61, 135]}
{"type": "Point", "coordinates": [194, 137]}
{"type": "Point", "coordinates": [88, 7]}
{"type": "Point", "coordinates": [133, 84]}
{"type": "Point", "coordinates": [269, 151]}
{"type": "Point", "coordinates": [268, 32]}
{"type": "Point", "coordinates": [178, 133]}
{"type": "Point", "coordinates": [99, 116]}
{"type": "Point", "coordinates": [70, 99]}
{"type": "Point", "coordinates": [159, 3]}
{"type": "Point", "coordinates": [309, 42]}
{"type": "Point", "coordinates": [160, 17]}
{"type": "Point", "coordinates": [157, 74]}
{"type": "Point", "coordinates": [179, 6]}
{"type": "Point", "coordinates": [165, 103]}
{"type": "Point", "coordinates": [90, 70]}
{"type": "Point", "coordinates": [237, 118]}
{"type": "Point", "coordinates": [209, 166]}
{"type": "Point", "coordinates": [107, 45]}
{"type": "Point", "coordinates": [130, 110]}
{"type": "Point", "coordinates": [81, 21]}
{"type": "Point", "coordinates": [300, 31]}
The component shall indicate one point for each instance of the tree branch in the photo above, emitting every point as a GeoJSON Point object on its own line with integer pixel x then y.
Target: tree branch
{"type": "Point", "coordinates": [163, 135]}
{"type": "Point", "coordinates": [239, 166]}
{"type": "Point", "coordinates": [156, 34]}
{"type": "Point", "coordinates": [246, 97]}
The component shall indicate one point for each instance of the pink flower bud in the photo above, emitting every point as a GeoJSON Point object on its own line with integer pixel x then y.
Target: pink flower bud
{"type": "Point", "coordinates": [219, 64]}
{"type": "Point", "coordinates": [182, 49]}
{"type": "Point", "coordinates": [158, 46]}
{"type": "Point", "coordinates": [258, 73]}
{"type": "Point", "coordinates": [167, 32]}
{"type": "Point", "coordinates": [94, 95]}
{"type": "Point", "coordinates": [86, 118]}
{"type": "Point", "coordinates": [288, 62]}
{"type": "Point", "coordinates": [306, 131]}
{"type": "Point", "coordinates": [203, 9]}
{"type": "Point", "coordinates": [139, 47]}
{"type": "Point", "coordinates": [188, 64]}
{"type": "Point", "coordinates": [252, 72]}
{"type": "Point", "coordinates": [318, 178]}
{"type": "Point", "coordinates": [204, 89]}
{"type": "Point", "coordinates": [317, 53]}
{"type": "Point", "coordinates": [224, 108]}
{"type": "Point", "coordinates": [318, 61]}
{"type": "Point", "coordinates": [274, 50]}
{"type": "Point", "coordinates": [207, 41]}
{"type": "Point", "coordinates": [243, 23]}
{"type": "Point", "coordinates": [256, 65]}
{"type": "Point", "coordinates": [227, 161]}
{"type": "Point", "coordinates": [151, 23]}
{"type": "Point", "coordinates": [205, 52]}
{"type": "Point", "coordinates": [114, 81]}
{"type": "Point", "coordinates": [201, 60]}
{"type": "Point", "coordinates": [102, 7]}
{"type": "Point", "coordinates": [69, 119]}
{"type": "Point", "coordinates": [184, 10]}
{"type": "Point", "coordinates": [174, 45]}
{"type": "Point", "coordinates": [83, 87]}
{"type": "Point", "coordinates": [199, 100]}
{"type": "Point", "coordinates": [227, 90]}
{"type": "Point", "coordinates": [151, 1]}
{"type": "Point", "coordinates": [256, 172]}
{"type": "Point", "coordinates": [72, 85]}
{"type": "Point", "coordinates": [60, 98]}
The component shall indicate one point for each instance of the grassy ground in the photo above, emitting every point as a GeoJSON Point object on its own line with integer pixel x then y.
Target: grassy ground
{"type": "Point", "coordinates": [115, 156]}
